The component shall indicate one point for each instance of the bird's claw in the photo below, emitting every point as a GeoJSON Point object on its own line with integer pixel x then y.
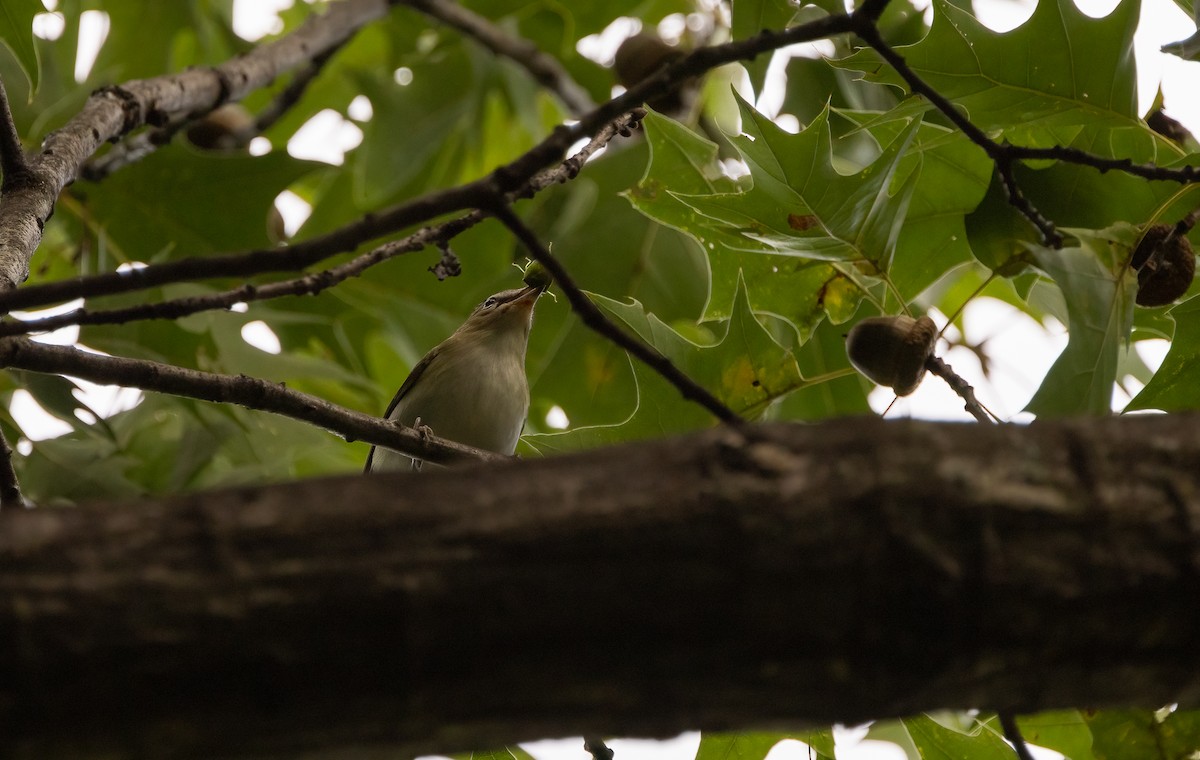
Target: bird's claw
{"type": "Point", "coordinates": [424, 431]}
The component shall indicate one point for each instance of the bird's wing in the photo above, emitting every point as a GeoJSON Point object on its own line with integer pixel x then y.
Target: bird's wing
{"type": "Point", "coordinates": [405, 387]}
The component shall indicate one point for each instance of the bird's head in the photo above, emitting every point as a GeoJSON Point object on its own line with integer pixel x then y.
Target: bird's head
{"type": "Point", "coordinates": [509, 312]}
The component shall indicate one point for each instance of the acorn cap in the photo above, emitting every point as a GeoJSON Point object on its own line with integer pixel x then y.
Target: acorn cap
{"type": "Point", "coordinates": [892, 351]}
{"type": "Point", "coordinates": [1165, 266]}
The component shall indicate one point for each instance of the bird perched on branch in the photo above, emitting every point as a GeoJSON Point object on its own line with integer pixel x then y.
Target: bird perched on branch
{"type": "Point", "coordinates": [471, 387]}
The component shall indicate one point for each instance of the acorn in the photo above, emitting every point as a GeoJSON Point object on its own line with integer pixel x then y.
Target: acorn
{"type": "Point", "coordinates": [640, 56]}
{"type": "Point", "coordinates": [537, 276]}
{"type": "Point", "coordinates": [892, 351]}
{"type": "Point", "coordinates": [229, 127]}
{"type": "Point", "coordinates": [1165, 265]}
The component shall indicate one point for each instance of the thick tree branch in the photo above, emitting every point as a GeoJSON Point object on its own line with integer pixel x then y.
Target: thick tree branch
{"type": "Point", "coordinates": [316, 282]}
{"type": "Point", "coordinates": [115, 111]}
{"type": "Point", "coordinates": [250, 392]}
{"type": "Point", "coordinates": [591, 316]}
{"type": "Point", "coordinates": [744, 580]}
{"type": "Point", "coordinates": [545, 69]}
{"type": "Point", "coordinates": [141, 145]}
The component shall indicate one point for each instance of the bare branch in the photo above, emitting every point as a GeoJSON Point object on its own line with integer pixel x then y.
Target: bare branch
{"type": "Point", "coordinates": [141, 145]}
{"type": "Point", "coordinates": [250, 392]}
{"type": "Point", "coordinates": [313, 284]}
{"type": "Point", "coordinates": [505, 179]}
{"type": "Point", "coordinates": [1005, 154]}
{"type": "Point", "coordinates": [959, 386]}
{"type": "Point", "coordinates": [542, 67]}
{"type": "Point", "coordinates": [595, 319]}
{"type": "Point", "coordinates": [1051, 237]}
{"type": "Point", "coordinates": [115, 111]}
{"type": "Point", "coordinates": [1012, 732]}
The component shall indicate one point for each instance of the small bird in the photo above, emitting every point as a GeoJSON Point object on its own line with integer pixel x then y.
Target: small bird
{"type": "Point", "coordinates": [471, 387]}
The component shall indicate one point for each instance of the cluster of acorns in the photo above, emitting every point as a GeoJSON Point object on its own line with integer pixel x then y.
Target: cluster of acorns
{"type": "Point", "coordinates": [894, 351]}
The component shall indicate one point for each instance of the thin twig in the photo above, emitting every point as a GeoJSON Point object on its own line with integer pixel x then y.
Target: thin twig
{"type": "Point", "coordinates": [545, 69]}
{"type": "Point", "coordinates": [1051, 237]}
{"type": "Point", "coordinates": [596, 747]}
{"type": "Point", "coordinates": [1004, 154]}
{"type": "Point", "coordinates": [505, 179]}
{"type": "Point", "coordinates": [13, 163]}
{"type": "Point", "coordinates": [869, 33]}
{"type": "Point", "coordinates": [290, 95]}
{"type": "Point", "coordinates": [1008, 724]}
{"type": "Point", "coordinates": [250, 392]}
{"type": "Point", "coordinates": [591, 316]}
{"type": "Point", "coordinates": [959, 386]}
{"type": "Point", "coordinates": [10, 488]}
{"type": "Point", "coordinates": [316, 282]}
{"type": "Point", "coordinates": [131, 151]}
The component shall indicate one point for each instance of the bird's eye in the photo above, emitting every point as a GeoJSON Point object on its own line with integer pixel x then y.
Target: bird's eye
{"type": "Point", "coordinates": [490, 302]}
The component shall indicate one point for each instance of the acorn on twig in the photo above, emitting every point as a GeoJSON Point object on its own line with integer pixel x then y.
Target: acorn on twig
{"type": "Point", "coordinates": [1165, 264]}
{"type": "Point", "coordinates": [639, 57]}
{"type": "Point", "coordinates": [892, 351]}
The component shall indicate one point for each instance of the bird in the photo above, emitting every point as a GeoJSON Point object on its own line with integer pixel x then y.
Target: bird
{"type": "Point", "coordinates": [471, 387]}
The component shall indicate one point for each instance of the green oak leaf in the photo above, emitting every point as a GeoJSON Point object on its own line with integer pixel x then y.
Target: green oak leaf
{"type": "Point", "coordinates": [801, 205]}
{"type": "Point", "coordinates": [1173, 387]}
{"type": "Point", "coordinates": [1064, 731]}
{"type": "Point", "coordinates": [801, 233]}
{"type": "Point", "coordinates": [745, 368]}
{"type": "Point", "coordinates": [936, 742]}
{"type": "Point", "coordinates": [751, 17]}
{"type": "Point", "coordinates": [16, 33]}
{"type": "Point", "coordinates": [180, 199]}
{"type": "Point", "coordinates": [737, 746]}
{"type": "Point", "coordinates": [1099, 290]}
{"type": "Point", "coordinates": [952, 178]}
{"type": "Point", "coordinates": [1138, 734]}
{"type": "Point", "coordinates": [1061, 67]}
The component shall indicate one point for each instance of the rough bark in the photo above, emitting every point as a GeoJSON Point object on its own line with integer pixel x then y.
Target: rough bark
{"type": "Point", "coordinates": [113, 112]}
{"type": "Point", "coordinates": [783, 576]}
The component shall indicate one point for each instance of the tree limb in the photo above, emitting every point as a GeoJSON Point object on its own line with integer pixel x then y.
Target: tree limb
{"type": "Point", "coordinates": [508, 178]}
{"type": "Point", "coordinates": [595, 319]}
{"type": "Point", "coordinates": [250, 392]}
{"type": "Point", "coordinates": [545, 69]}
{"type": "Point", "coordinates": [751, 579]}
{"type": "Point", "coordinates": [313, 283]}
{"type": "Point", "coordinates": [115, 111]}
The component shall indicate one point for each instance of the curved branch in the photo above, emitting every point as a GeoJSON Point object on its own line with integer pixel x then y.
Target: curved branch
{"type": "Point", "coordinates": [505, 179]}
{"type": "Point", "coordinates": [141, 145]}
{"type": "Point", "coordinates": [316, 282]}
{"type": "Point", "coordinates": [545, 69]}
{"type": "Point", "coordinates": [250, 392]}
{"type": "Point", "coordinates": [1003, 155]}
{"type": "Point", "coordinates": [115, 111]}
{"type": "Point", "coordinates": [595, 319]}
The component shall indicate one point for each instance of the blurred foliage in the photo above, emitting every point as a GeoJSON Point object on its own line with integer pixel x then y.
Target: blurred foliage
{"type": "Point", "coordinates": [744, 256]}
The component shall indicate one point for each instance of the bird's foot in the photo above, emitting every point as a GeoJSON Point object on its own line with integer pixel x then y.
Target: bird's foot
{"type": "Point", "coordinates": [424, 431]}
